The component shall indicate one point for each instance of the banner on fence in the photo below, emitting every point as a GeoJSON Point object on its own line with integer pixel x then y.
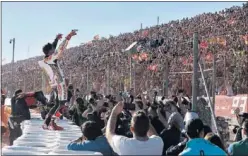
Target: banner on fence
{"type": "Point", "coordinates": [226, 105]}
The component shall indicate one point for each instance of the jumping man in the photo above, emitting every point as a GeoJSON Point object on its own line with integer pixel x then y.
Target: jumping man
{"type": "Point", "coordinates": [51, 65]}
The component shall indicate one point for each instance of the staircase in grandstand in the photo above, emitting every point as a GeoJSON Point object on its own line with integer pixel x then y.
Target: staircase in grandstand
{"type": "Point", "coordinates": [36, 141]}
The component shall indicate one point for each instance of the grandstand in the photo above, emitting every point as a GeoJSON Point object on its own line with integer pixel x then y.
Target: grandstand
{"type": "Point", "coordinates": [229, 24]}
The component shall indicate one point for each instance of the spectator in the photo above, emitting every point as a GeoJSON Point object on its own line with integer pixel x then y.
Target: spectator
{"type": "Point", "coordinates": [92, 140]}
{"type": "Point", "coordinates": [176, 150]}
{"type": "Point", "coordinates": [5, 112]}
{"type": "Point", "coordinates": [207, 130]}
{"type": "Point", "coordinates": [76, 112]}
{"type": "Point", "coordinates": [172, 135]}
{"type": "Point", "coordinates": [170, 107]}
{"type": "Point", "coordinates": [144, 141]}
{"type": "Point", "coordinates": [241, 147]}
{"type": "Point", "coordinates": [70, 95]}
{"type": "Point", "coordinates": [196, 144]}
{"type": "Point", "coordinates": [19, 106]}
{"type": "Point", "coordinates": [93, 111]}
{"type": "Point", "coordinates": [154, 117]}
{"type": "Point", "coordinates": [95, 116]}
{"type": "Point", "coordinates": [19, 112]}
{"type": "Point", "coordinates": [214, 139]}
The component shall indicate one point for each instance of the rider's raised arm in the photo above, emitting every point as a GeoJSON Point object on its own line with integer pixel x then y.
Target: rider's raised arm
{"type": "Point", "coordinates": [60, 50]}
{"type": "Point", "coordinates": [63, 45]}
{"type": "Point", "coordinates": [55, 42]}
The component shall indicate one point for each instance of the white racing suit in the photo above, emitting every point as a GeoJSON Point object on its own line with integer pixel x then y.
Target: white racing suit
{"type": "Point", "coordinates": [52, 68]}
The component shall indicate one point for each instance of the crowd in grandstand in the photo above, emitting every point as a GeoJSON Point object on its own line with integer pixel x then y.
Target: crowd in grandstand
{"type": "Point", "coordinates": [229, 24]}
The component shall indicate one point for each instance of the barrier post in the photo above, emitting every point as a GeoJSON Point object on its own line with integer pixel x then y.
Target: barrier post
{"type": "Point", "coordinates": [134, 78]}
{"type": "Point", "coordinates": [130, 72]}
{"type": "Point", "coordinates": [195, 65]}
{"type": "Point", "coordinates": [214, 81]}
{"type": "Point", "coordinates": [12, 67]}
{"type": "Point", "coordinates": [87, 79]}
{"type": "Point", "coordinates": [108, 79]}
{"type": "Point", "coordinates": [166, 79]}
{"type": "Point", "coordinates": [24, 87]}
{"type": "Point", "coordinates": [210, 102]}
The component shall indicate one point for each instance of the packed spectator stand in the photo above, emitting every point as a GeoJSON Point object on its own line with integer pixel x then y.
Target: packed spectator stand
{"type": "Point", "coordinates": [154, 126]}
{"type": "Point", "coordinates": [177, 35]}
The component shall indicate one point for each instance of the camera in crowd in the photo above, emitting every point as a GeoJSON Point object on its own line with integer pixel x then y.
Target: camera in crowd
{"type": "Point", "coordinates": [111, 99]}
{"type": "Point", "coordinates": [128, 101]}
{"type": "Point", "coordinates": [244, 116]}
{"type": "Point", "coordinates": [123, 124]}
{"type": "Point", "coordinates": [129, 106]}
{"type": "Point", "coordinates": [95, 96]}
{"type": "Point", "coordinates": [156, 43]}
{"type": "Point", "coordinates": [153, 43]}
{"type": "Point", "coordinates": [156, 104]}
{"type": "Point", "coordinates": [237, 129]}
{"type": "Point", "coordinates": [124, 119]}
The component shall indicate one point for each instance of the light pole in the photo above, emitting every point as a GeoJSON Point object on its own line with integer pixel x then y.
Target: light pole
{"type": "Point", "coordinates": [12, 41]}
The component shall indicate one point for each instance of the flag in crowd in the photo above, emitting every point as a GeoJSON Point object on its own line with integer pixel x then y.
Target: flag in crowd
{"type": "Point", "coordinates": [153, 67]}
{"type": "Point", "coordinates": [143, 56]}
{"type": "Point", "coordinates": [239, 53]}
{"type": "Point", "coordinates": [135, 56]}
{"type": "Point", "coordinates": [187, 61]}
{"type": "Point", "coordinates": [204, 44]}
{"type": "Point", "coordinates": [221, 41]}
{"type": "Point", "coordinates": [140, 56]}
{"type": "Point", "coordinates": [209, 57]}
{"type": "Point", "coordinates": [245, 37]}
{"type": "Point", "coordinates": [217, 40]}
{"type": "Point", "coordinates": [145, 33]}
{"type": "Point", "coordinates": [97, 37]}
{"type": "Point", "coordinates": [231, 21]}
{"type": "Point", "coordinates": [131, 47]}
{"type": "Point", "coordinates": [212, 40]}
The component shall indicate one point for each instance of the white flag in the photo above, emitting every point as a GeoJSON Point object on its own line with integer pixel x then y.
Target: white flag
{"type": "Point", "coordinates": [131, 46]}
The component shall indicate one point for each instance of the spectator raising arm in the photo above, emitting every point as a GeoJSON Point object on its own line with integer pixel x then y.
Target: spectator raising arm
{"type": "Point", "coordinates": [144, 135]}
{"type": "Point", "coordinates": [111, 125]}
{"type": "Point", "coordinates": [162, 118]}
{"type": "Point", "coordinates": [86, 112]}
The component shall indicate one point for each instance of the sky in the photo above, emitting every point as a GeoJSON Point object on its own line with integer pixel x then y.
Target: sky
{"type": "Point", "coordinates": [33, 24]}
